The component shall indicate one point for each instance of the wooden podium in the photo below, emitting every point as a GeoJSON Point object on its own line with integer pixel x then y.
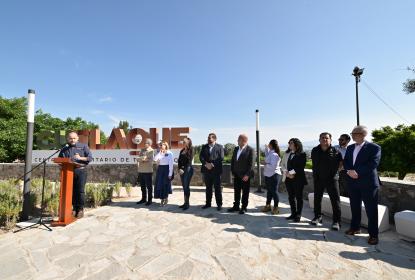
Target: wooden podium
{"type": "Point", "coordinates": [65, 196]}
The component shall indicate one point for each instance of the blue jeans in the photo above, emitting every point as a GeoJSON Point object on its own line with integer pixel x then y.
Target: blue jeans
{"type": "Point", "coordinates": [186, 177]}
{"type": "Point", "coordinates": [272, 184]}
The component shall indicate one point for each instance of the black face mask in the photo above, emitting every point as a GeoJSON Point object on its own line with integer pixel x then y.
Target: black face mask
{"type": "Point", "coordinates": [72, 145]}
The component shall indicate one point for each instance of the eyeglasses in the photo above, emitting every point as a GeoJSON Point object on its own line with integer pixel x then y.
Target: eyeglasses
{"type": "Point", "coordinates": [356, 133]}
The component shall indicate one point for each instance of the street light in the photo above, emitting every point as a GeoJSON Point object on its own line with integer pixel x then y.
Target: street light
{"type": "Point", "coordinates": [258, 155]}
{"type": "Point", "coordinates": [357, 72]}
{"type": "Point", "coordinates": [28, 158]}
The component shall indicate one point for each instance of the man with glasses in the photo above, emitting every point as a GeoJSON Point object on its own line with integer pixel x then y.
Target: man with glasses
{"type": "Point", "coordinates": [326, 160]}
{"type": "Point", "coordinates": [344, 140]}
{"type": "Point", "coordinates": [361, 162]}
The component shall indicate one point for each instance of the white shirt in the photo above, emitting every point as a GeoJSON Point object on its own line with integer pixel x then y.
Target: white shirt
{"type": "Point", "coordinates": [165, 159]}
{"type": "Point", "coordinates": [341, 150]}
{"type": "Point", "coordinates": [356, 151]}
{"type": "Point", "coordinates": [211, 147]}
{"type": "Point", "coordinates": [272, 163]}
{"type": "Point", "coordinates": [240, 151]}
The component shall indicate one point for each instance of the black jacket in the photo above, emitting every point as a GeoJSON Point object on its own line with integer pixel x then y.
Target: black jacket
{"type": "Point", "coordinates": [185, 159]}
{"type": "Point", "coordinates": [297, 162]}
{"type": "Point", "coordinates": [244, 166]}
{"type": "Point", "coordinates": [325, 163]}
{"type": "Point", "coordinates": [215, 157]}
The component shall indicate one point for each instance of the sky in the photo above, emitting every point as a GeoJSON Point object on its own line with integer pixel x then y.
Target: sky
{"type": "Point", "coordinates": [209, 65]}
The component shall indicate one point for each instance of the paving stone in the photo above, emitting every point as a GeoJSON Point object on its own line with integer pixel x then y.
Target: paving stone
{"type": "Point", "coordinates": [125, 241]}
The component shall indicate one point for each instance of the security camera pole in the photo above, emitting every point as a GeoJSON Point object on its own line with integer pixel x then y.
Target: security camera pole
{"type": "Point", "coordinates": [357, 72]}
{"type": "Point", "coordinates": [28, 158]}
{"type": "Point", "coordinates": [258, 153]}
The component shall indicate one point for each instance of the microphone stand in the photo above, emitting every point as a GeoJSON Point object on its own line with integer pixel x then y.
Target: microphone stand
{"type": "Point", "coordinates": [40, 221]}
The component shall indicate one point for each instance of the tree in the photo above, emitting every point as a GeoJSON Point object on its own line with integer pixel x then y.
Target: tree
{"type": "Point", "coordinates": [229, 147]}
{"type": "Point", "coordinates": [409, 85]}
{"type": "Point", "coordinates": [125, 126]}
{"type": "Point", "coordinates": [398, 149]}
{"type": "Point", "coordinates": [13, 127]}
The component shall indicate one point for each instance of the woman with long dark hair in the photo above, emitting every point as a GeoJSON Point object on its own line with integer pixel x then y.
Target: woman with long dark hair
{"type": "Point", "coordinates": [295, 178]}
{"type": "Point", "coordinates": [272, 174]}
{"type": "Point", "coordinates": [185, 162]}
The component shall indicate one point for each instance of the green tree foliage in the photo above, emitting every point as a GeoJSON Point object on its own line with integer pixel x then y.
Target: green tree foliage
{"type": "Point", "coordinates": [125, 126]}
{"type": "Point", "coordinates": [398, 149]}
{"type": "Point", "coordinates": [13, 127]}
{"type": "Point", "coordinates": [409, 85]}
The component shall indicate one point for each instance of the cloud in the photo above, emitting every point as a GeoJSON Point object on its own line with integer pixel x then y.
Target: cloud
{"type": "Point", "coordinates": [105, 99]}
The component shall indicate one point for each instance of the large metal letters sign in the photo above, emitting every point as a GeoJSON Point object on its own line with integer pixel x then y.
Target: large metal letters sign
{"type": "Point", "coordinates": [119, 149]}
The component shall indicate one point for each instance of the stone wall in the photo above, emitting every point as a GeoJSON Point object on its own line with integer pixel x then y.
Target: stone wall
{"type": "Point", "coordinates": [397, 195]}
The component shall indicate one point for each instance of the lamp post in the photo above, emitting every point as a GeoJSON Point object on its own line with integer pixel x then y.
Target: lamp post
{"type": "Point", "coordinates": [28, 158]}
{"type": "Point", "coordinates": [357, 72]}
{"type": "Point", "coordinates": [258, 154]}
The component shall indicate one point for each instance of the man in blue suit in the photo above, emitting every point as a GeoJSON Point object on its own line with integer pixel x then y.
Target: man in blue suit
{"type": "Point", "coordinates": [361, 162]}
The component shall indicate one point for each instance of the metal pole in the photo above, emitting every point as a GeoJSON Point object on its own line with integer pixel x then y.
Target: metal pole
{"type": "Point", "coordinates": [28, 158]}
{"type": "Point", "coordinates": [357, 99]}
{"type": "Point", "coordinates": [258, 154]}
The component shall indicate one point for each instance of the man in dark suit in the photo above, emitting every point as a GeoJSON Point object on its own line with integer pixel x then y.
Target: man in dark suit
{"type": "Point", "coordinates": [211, 157]}
{"type": "Point", "coordinates": [242, 170]}
{"type": "Point", "coordinates": [361, 162]}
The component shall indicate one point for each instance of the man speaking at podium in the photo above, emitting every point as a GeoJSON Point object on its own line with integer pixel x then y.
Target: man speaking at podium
{"type": "Point", "coordinates": [79, 153]}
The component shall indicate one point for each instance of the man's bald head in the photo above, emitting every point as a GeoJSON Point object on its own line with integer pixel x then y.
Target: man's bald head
{"type": "Point", "coordinates": [72, 138]}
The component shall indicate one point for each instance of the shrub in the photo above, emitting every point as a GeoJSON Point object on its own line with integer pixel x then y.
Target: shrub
{"type": "Point", "coordinates": [128, 188]}
{"type": "Point", "coordinates": [10, 203]}
{"type": "Point", "coordinates": [98, 194]}
{"type": "Point", "coordinates": [117, 188]}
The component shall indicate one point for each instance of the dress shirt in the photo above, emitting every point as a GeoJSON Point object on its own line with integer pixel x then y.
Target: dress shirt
{"type": "Point", "coordinates": [165, 159]}
{"type": "Point", "coordinates": [356, 151]}
{"type": "Point", "coordinates": [272, 163]}
{"type": "Point", "coordinates": [240, 151]}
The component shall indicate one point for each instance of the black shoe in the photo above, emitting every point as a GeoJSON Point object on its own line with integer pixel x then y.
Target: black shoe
{"type": "Point", "coordinates": [185, 207]}
{"type": "Point", "coordinates": [141, 201]}
{"type": "Point", "coordinates": [297, 219]}
{"type": "Point", "coordinates": [206, 206]}
{"type": "Point", "coordinates": [148, 203]}
{"type": "Point", "coordinates": [182, 206]}
{"type": "Point", "coordinates": [219, 207]}
{"type": "Point", "coordinates": [291, 217]}
{"type": "Point", "coordinates": [233, 209]}
{"type": "Point", "coordinates": [242, 211]}
{"type": "Point", "coordinates": [317, 221]}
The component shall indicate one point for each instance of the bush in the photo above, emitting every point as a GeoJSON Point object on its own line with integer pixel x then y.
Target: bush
{"type": "Point", "coordinates": [10, 203]}
{"type": "Point", "coordinates": [117, 188]}
{"type": "Point", "coordinates": [98, 194]}
{"type": "Point", "coordinates": [128, 187]}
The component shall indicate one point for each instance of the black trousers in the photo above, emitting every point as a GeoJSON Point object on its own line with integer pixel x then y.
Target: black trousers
{"type": "Point", "coordinates": [78, 192]}
{"type": "Point", "coordinates": [369, 196]}
{"type": "Point", "coordinates": [332, 188]}
{"type": "Point", "coordinates": [146, 183]}
{"type": "Point", "coordinates": [238, 186]}
{"type": "Point", "coordinates": [295, 196]}
{"type": "Point", "coordinates": [343, 183]}
{"type": "Point", "coordinates": [213, 181]}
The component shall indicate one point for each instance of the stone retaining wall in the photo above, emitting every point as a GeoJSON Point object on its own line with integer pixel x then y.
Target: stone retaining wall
{"type": "Point", "coordinates": [397, 195]}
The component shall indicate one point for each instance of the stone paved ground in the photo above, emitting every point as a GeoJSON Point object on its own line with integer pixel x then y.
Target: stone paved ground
{"type": "Point", "coordinates": [124, 241]}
